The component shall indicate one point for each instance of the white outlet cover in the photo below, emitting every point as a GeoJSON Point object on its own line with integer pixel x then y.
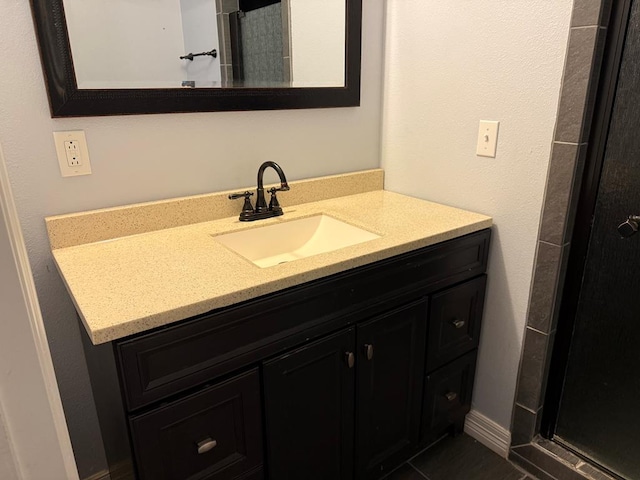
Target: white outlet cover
{"type": "Point", "coordinates": [487, 138]}
{"type": "Point", "coordinates": [77, 136]}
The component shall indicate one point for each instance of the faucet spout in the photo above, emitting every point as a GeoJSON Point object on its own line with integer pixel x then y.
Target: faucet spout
{"type": "Point", "coordinates": [262, 210]}
{"type": "Point", "coordinates": [261, 203]}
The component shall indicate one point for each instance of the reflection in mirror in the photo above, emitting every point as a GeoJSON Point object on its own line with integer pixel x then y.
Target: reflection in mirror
{"type": "Point", "coordinates": [123, 44]}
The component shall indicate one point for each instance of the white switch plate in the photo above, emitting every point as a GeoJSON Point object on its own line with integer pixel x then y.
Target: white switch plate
{"type": "Point", "coordinates": [487, 138]}
{"type": "Point", "coordinates": [73, 154]}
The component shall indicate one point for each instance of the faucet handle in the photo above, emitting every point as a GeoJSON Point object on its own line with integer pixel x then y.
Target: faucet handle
{"type": "Point", "coordinates": [284, 187]}
{"type": "Point", "coordinates": [274, 205]}
{"type": "Point", "coordinates": [245, 195]}
{"type": "Point", "coordinates": [247, 208]}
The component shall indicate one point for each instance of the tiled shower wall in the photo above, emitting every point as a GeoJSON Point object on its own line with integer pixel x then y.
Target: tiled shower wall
{"type": "Point", "coordinates": [223, 9]}
{"type": "Point", "coordinates": [582, 66]}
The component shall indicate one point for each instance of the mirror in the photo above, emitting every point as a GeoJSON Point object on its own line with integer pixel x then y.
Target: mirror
{"type": "Point", "coordinates": [161, 56]}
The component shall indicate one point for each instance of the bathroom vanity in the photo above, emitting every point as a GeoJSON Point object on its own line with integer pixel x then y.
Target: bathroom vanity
{"type": "Point", "coordinates": [340, 365]}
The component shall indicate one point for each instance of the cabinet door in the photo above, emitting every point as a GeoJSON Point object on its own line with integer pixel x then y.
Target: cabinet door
{"type": "Point", "coordinates": [309, 410]}
{"type": "Point", "coordinates": [391, 356]}
{"type": "Point", "coordinates": [215, 434]}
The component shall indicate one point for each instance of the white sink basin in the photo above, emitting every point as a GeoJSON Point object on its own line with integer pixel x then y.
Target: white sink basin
{"type": "Point", "coordinates": [283, 242]}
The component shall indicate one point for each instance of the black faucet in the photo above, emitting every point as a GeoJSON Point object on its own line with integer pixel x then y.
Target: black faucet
{"type": "Point", "coordinates": [261, 211]}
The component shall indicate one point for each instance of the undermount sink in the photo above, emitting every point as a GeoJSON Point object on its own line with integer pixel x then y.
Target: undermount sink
{"type": "Point", "coordinates": [290, 240]}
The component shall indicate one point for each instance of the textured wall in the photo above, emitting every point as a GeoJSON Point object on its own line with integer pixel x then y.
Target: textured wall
{"type": "Point", "coordinates": [7, 464]}
{"type": "Point", "coordinates": [139, 158]}
{"type": "Point", "coordinates": [448, 65]}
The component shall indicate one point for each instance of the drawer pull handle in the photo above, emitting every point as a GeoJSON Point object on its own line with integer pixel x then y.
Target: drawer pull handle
{"type": "Point", "coordinates": [205, 445]}
{"type": "Point", "coordinates": [457, 323]}
{"type": "Point", "coordinates": [351, 359]}
{"type": "Point", "coordinates": [451, 396]}
{"type": "Point", "coordinates": [368, 350]}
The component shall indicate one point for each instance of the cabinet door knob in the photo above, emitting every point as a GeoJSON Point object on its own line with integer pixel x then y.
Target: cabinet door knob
{"type": "Point", "coordinates": [205, 445]}
{"type": "Point", "coordinates": [368, 350]}
{"type": "Point", "coordinates": [451, 396]}
{"type": "Point", "coordinates": [351, 359]}
{"type": "Point", "coordinates": [457, 323]}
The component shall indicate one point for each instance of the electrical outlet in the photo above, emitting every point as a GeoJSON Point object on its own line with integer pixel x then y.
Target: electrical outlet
{"type": "Point", "coordinates": [73, 154]}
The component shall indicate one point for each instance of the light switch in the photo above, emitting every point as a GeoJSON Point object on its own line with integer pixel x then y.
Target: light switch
{"type": "Point", "coordinates": [487, 138]}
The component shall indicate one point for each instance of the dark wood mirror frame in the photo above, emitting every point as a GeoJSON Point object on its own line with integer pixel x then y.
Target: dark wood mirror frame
{"type": "Point", "coordinates": [66, 100]}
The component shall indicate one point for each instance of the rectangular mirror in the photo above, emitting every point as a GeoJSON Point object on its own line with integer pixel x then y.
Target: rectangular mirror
{"type": "Point", "coordinates": [162, 56]}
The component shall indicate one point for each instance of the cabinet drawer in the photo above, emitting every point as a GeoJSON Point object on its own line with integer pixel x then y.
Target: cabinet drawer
{"type": "Point", "coordinates": [448, 396]}
{"type": "Point", "coordinates": [454, 322]}
{"type": "Point", "coordinates": [215, 434]}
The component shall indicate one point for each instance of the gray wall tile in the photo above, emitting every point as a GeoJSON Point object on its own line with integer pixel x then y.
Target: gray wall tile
{"type": "Point", "coordinates": [524, 426]}
{"type": "Point", "coordinates": [229, 6]}
{"type": "Point", "coordinates": [225, 39]}
{"type": "Point", "coordinates": [262, 41]}
{"type": "Point", "coordinates": [532, 367]}
{"type": "Point", "coordinates": [562, 168]}
{"type": "Point", "coordinates": [228, 76]}
{"type": "Point", "coordinates": [586, 13]}
{"type": "Point", "coordinates": [573, 98]}
{"type": "Point", "coordinates": [543, 293]}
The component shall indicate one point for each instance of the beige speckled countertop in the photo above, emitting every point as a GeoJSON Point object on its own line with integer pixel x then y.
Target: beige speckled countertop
{"type": "Point", "coordinates": [129, 284]}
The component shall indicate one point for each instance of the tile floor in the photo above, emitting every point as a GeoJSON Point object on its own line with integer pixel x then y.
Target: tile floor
{"type": "Point", "coordinates": [459, 458]}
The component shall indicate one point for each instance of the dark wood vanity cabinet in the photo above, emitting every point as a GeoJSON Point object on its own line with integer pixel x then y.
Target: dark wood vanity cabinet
{"type": "Point", "coordinates": [340, 378]}
{"type": "Point", "coordinates": [310, 410]}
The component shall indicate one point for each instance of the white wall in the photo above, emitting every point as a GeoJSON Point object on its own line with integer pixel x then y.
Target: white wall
{"type": "Point", "coordinates": [448, 65]}
{"type": "Point", "coordinates": [34, 442]}
{"type": "Point", "coordinates": [139, 158]}
{"type": "Point", "coordinates": [317, 42]}
{"type": "Point", "coordinates": [8, 467]}
{"type": "Point", "coordinates": [125, 44]}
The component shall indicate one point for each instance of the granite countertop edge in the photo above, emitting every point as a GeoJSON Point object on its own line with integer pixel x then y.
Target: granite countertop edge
{"type": "Point", "coordinates": [129, 285]}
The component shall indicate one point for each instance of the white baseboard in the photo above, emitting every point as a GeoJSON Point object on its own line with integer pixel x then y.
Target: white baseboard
{"type": "Point", "coordinates": [488, 432]}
